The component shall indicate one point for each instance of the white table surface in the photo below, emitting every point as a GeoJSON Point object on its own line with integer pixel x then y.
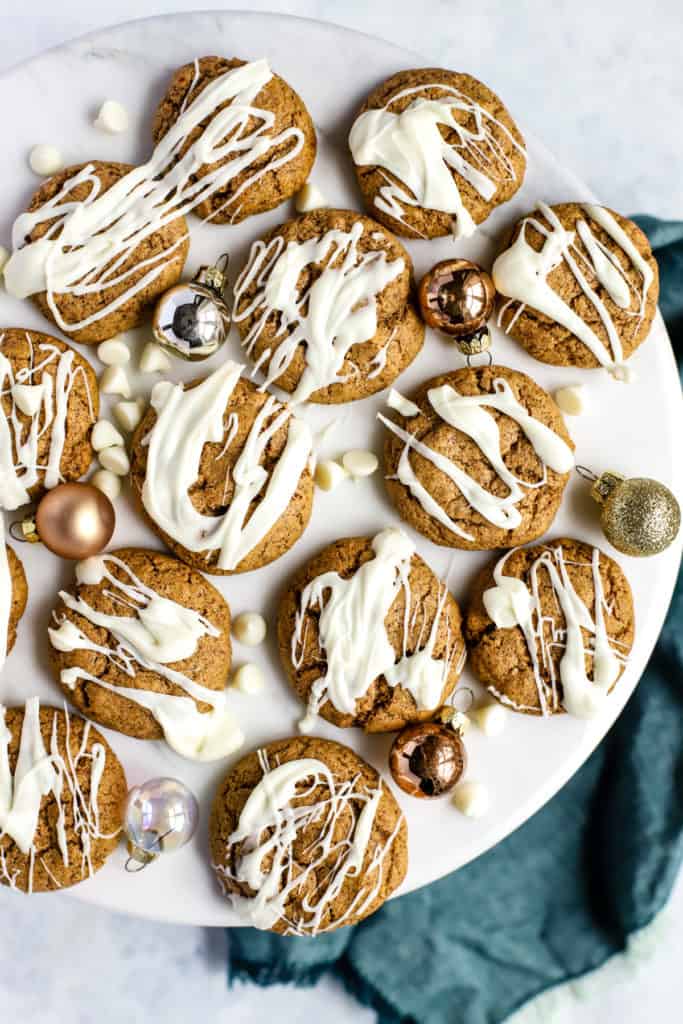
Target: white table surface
{"type": "Point", "coordinates": [604, 91]}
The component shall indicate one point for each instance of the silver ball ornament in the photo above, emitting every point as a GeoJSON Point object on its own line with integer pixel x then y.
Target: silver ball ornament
{"type": "Point", "coordinates": [160, 816]}
{"type": "Point", "coordinates": [192, 320]}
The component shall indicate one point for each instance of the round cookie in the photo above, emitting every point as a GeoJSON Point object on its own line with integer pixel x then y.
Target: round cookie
{"type": "Point", "coordinates": [273, 184]}
{"type": "Point", "coordinates": [523, 665]}
{"type": "Point", "coordinates": [248, 414]}
{"type": "Point", "coordinates": [111, 312]}
{"type": "Point", "coordinates": [19, 595]}
{"type": "Point", "coordinates": [589, 298]}
{"type": "Point", "coordinates": [410, 135]}
{"type": "Point", "coordinates": [343, 617]}
{"type": "Point", "coordinates": [92, 816]}
{"type": "Point", "coordinates": [93, 664]}
{"type": "Point", "coordinates": [317, 886]}
{"type": "Point", "coordinates": [468, 475]}
{"type": "Point", "coordinates": [322, 307]}
{"type": "Point", "coordinates": [45, 455]}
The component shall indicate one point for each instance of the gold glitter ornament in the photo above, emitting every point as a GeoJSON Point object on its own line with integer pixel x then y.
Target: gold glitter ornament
{"type": "Point", "coordinates": [639, 516]}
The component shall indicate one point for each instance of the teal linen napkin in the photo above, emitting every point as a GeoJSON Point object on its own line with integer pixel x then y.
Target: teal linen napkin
{"type": "Point", "coordinates": [561, 894]}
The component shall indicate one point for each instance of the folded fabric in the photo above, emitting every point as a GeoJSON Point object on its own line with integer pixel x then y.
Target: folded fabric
{"type": "Point", "coordinates": [560, 895]}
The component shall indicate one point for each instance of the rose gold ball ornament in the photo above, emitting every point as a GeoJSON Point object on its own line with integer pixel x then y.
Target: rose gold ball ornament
{"type": "Point", "coordinates": [456, 297]}
{"type": "Point", "coordinates": [72, 520]}
{"type": "Point", "coordinates": [639, 516]}
{"type": "Point", "coordinates": [192, 320]}
{"type": "Point", "coordinates": [427, 759]}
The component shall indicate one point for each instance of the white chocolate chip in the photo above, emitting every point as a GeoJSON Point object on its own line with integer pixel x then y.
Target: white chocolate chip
{"type": "Point", "coordinates": [4, 257]}
{"type": "Point", "coordinates": [44, 160]}
{"type": "Point", "coordinates": [105, 435]}
{"type": "Point", "coordinates": [90, 570]}
{"type": "Point", "coordinates": [249, 628]}
{"type": "Point", "coordinates": [328, 474]}
{"type": "Point", "coordinates": [460, 722]}
{"type": "Point", "coordinates": [570, 399]}
{"type": "Point", "coordinates": [160, 393]}
{"type": "Point", "coordinates": [115, 382]}
{"type": "Point", "coordinates": [309, 198]}
{"type": "Point", "coordinates": [115, 459]}
{"type": "Point", "coordinates": [154, 359]}
{"type": "Point", "coordinates": [28, 398]}
{"type": "Point", "coordinates": [490, 717]}
{"type": "Point", "coordinates": [107, 482]}
{"type": "Point", "coordinates": [128, 415]}
{"type": "Point", "coordinates": [113, 352]}
{"type": "Point", "coordinates": [400, 403]}
{"type": "Point", "coordinates": [112, 117]}
{"type": "Point", "coordinates": [248, 678]}
{"type": "Point", "coordinates": [472, 799]}
{"type": "Point", "coordinates": [359, 463]}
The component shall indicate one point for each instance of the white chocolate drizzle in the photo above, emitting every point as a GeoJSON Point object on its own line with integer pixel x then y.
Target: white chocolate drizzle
{"type": "Point", "coordinates": [151, 633]}
{"type": "Point", "coordinates": [272, 822]}
{"type": "Point", "coordinates": [20, 467]}
{"type": "Point", "coordinates": [411, 148]}
{"type": "Point", "coordinates": [338, 311]}
{"type": "Point", "coordinates": [40, 772]}
{"type": "Point", "coordinates": [511, 602]}
{"type": "Point", "coordinates": [352, 632]}
{"type": "Point", "coordinates": [521, 273]}
{"type": "Point", "coordinates": [189, 419]}
{"type": "Point", "coordinates": [468, 414]}
{"type": "Point", "coordinates": [87, 247]}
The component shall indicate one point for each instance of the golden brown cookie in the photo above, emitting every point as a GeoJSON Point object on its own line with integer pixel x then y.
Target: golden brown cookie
{"type": "Point", "coordinates": [600, 284]}
{"type": "Point", "coordinates": [408, 592]}
{"type": "Point", "coordinates": [344, 265]}
{"type": "Point", "coordinates": [436, 472]}
{"type": "Point", "coordinates": [138, 573]}
{"type": "Point", "coordinates": [91, 817]}
{"type": "Point", "coordinates": [19, 596]}
{"type": "Point", "coordinates": [168, 246]}
{"type": "Point", "coordinates": [524, 668]}
{"type": "Point", "coordinates": [55, 440]}
{"type": "Point", "coordinates": [215, 487]}
{"type": "Point", "coordinates": [327, 875]}
{"type": "Point", "coordinates": [291, 126]}
{"type": "Point", "coordinates": [409, 178]}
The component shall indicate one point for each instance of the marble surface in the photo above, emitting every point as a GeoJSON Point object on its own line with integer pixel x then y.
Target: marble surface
{"type": "Point", "coordinates": [613, 65]}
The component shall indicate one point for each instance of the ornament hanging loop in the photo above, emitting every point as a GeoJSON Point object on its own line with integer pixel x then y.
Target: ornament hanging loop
{"type": "Point", "coordinates": [143, 858]}
{"type": "Point", "coordinates": [586, 473]}
{"type": "Point", "coordinates": [488, 360]}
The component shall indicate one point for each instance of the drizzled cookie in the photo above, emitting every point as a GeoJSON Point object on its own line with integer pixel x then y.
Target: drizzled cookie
{"type": "Point", "coordinates": [579, 286]}
{"type": "Point", "coordinates": [305, 837]}
{"type": "Point", "coordinates": [478, 458]}
{"type": "Point", "coordinates": [322, 307]}
{"type": "Point", "coordinates": [369, 636]}
{"type": "Point", "coordinates": [435, 153]}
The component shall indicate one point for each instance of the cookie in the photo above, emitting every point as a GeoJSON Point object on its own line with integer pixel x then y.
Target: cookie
{"type": "Point", "coordinates": [18, 596]}
{"type": "Point", "coordinates": [257, 106]}
{"type": "Point", "coordinates": [435, 153]}
{"type": "Point", "coordinates": [221, 471]}
{"type": "Point", "coordinates": [305, 837]}
{"type": "Point", "coordinates": [106, 288]}
{"type": "Point", "coordinates": [141, 644]}
{"type": "Point", "coordinates": [579, 286]}
{"type": "Point", "coordinates": [60, 838]}
{"type": "Point", "coordinates": [369, 636]}
{"type": "Point", "coordinates": [49, 401]}
{"type": "Point", "coordinates": [549, 628]}
{"type": "Point", "coordinates": [478, 459]}
{"type": "Point", "coordinates": [321, 307]}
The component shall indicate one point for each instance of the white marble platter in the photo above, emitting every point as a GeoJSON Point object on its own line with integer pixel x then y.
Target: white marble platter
{"type": "Point", "coordinates": [634, 429]}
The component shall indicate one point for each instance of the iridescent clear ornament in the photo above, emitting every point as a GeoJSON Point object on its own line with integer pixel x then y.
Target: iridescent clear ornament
{"type": "Point", "coordinates": [192, 319]}
{"type": "Point", "coordinates": [160, 816]}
